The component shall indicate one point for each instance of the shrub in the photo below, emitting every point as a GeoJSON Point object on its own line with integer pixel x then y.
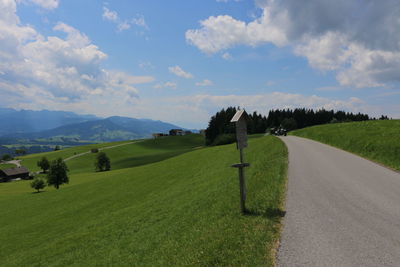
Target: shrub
{"type": "Point", "coordinates": [224, 139]}
{"type": "Point", "coordinates": [94, 150]}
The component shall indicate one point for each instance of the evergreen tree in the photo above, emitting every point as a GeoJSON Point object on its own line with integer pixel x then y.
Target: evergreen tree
{"type": "Point", "coordinates": [308, 117]}
{"type": "Point", "coordinates": [221, 128]}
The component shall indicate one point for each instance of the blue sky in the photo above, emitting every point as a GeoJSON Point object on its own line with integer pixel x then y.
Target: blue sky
{"type": "Point", "coordinates": [181, 61]}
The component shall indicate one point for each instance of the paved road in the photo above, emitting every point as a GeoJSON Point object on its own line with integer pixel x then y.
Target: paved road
{"type": "Point", "coordinates": [100, 149]}
{"type": "Point", "coordinates": [341, 210]}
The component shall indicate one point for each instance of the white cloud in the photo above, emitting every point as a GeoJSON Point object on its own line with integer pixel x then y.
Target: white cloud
{"type": "Point", "coordinates": [47, 4]}
{"type": "Point", "coordinates": [227, 56]}
{"type": "Point", "coordinates": [337, 36]}
{"type": "Point", "coordinates": [330, 88]}
{"type": "Point", "coordinates": [172, 85]}
{"type": "Point", "coordinates": [205, 83]}
{"type": "Point", "coordinates": [264, 102]}
{"type": "Point", "coordinates": [223, 32]}
{"type": "Point", "coordinates": [146, 65]}
{"type": "Point", "coordinates": [195, 111]}
{"type": "Point", "coordinates": [139, 21]}
{"type": "Point", "coordinates": [126, 24]}
{"type": "Point", "coordinates": [178, 71]}
{"type": "Point", "coordinates": [52, 71]}
{"type": "Point", "coordinates": [110, 15]}
{"type": "Point", "coordinates": [122, 26]}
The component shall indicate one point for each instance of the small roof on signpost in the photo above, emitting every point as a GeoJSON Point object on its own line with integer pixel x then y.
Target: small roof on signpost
{"type": "Point", "coordinates": [240, 119]}
{"type": "Point", "coordinates": [240, 115]}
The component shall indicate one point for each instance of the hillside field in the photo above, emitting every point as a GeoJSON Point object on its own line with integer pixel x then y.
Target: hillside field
{"type": "Point", "coordinates": [375, 140]}
{"type": "Point", "coordinates": [181, 210]}
{"type": "Point", "coordinates": [122, 155]}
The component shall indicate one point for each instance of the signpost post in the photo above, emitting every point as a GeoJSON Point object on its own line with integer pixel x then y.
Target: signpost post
{"type": "Point", "coordinates": [240, 119]}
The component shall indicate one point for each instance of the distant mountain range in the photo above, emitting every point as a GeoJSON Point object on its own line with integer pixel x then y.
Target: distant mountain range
{"type": "Point", "coordinates": [27, 126]}
{"type": "Point", "coordinates": [25, 121]}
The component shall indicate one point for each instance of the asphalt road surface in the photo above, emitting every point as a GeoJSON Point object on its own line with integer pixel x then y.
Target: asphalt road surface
{"type": "Point", "coordinates": [100, 149]}
{"type": "Point", "coordinates": [341, 210]}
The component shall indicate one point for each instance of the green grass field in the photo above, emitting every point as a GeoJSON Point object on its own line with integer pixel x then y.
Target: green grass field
{"type": "Point", "coordinates": [375, 140]}
{"type": "Point", "coordinates": [179, 211]}
{"type": "Point", "coordinates": [30, 161]}
{"type": "Point", "coordinates": [129, 155]}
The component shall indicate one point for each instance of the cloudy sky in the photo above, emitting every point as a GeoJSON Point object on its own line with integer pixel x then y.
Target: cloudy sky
{"type": "Point", "coordinates": [180, 61]}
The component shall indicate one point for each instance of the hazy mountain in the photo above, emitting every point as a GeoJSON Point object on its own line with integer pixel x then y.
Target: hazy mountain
{"type": "Point", "coordinates": [27, 121]}
{"type": "Point", "coordinates": [110, 129]}
{"type": "Point", "coordinates": [142, 126]}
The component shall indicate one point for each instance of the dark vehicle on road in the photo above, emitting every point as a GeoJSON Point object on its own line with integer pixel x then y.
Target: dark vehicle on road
{"type": "Point", "coordinates": [278, 131]}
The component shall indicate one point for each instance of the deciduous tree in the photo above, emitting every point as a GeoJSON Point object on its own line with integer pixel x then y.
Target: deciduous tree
{"type": "Point", "coordinates": [38, 184]}
{"type": "Point", "coordinates": [57, 173]}
{"type": "Point", "coordinates": [6, 157]}
{"type": "Point", "coordinates": [44, 164]}
{"type": "Point", "coordinates": [102, 162]}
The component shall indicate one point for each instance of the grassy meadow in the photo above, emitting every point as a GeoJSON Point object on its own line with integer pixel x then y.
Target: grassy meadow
{"type": "Point", "coordinates": [181, 210]}
{"type": "Point", "coordinates": [375, 140]}
{"type": "Point", "coordinates": [30, 160]}
{"type": "Point", "coordinates": [125, 154]}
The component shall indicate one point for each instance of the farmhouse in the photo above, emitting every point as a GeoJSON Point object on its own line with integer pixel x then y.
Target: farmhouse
{"type": "Point", "coordinates": [175, 132]}
{"type": "Point", "coordinates": [13, 173]}
{"type": "Point", "coordinates": [157, 135]}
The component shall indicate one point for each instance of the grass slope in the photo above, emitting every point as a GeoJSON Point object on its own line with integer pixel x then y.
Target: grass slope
{"type": "Point", "coordinates": [375, 140]}
{"type": "Point", "coordinates": [180, 211]}
{"type": "Point", "coordinates": [139, 153]}
{"type": "Point", "coordinates": [30, 161]}
{"type": "Point", "coordinates": [129, 155]}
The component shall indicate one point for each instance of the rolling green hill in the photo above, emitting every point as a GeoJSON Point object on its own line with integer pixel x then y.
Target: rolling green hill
{"type": "Point", "coordinates": [180, 211]}
{"type": "Point", "coordinates": [30, 161]}
{"type": "Point", "coordinates": [375, 140]}
{"type": "Point", "coordinates": [125, 154]}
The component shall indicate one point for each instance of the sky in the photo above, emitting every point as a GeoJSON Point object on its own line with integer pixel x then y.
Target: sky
{"type": "Point", "coordinates": [180, 61]}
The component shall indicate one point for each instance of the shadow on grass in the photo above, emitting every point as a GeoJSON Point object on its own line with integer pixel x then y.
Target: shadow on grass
{"type": "Point", "coordinates": [136, 161]}
{"type": "Point", "coordinates": [36, 192]}
{"type": "Point", "coordinates": [270, 213]}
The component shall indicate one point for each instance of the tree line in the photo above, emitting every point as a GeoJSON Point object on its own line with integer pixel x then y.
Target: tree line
{"type": "Point", "coordinates": [221, 131]}
{"type": "Point", "coordinates": [57, 171]}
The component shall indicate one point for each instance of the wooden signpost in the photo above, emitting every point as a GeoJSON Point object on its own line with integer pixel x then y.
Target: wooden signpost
{"type": "Point", "coordinates": [240, 119]}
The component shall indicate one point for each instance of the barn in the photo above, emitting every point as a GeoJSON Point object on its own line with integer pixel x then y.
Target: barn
{"type": "Point", "coordinates": [14, 173]}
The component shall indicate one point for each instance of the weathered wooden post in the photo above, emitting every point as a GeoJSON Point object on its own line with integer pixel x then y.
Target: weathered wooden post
{"type": "Point", "coordinates": [240, 119]}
